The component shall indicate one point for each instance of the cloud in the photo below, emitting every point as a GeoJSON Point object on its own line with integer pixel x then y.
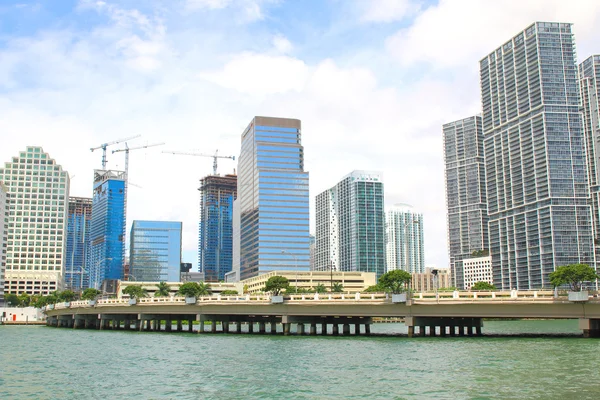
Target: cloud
{"type": "Point", "coordinates": [461, 32]}
{"type": "Point", "coordinates": [386, 10]}
{"type": "Point", "coordinates": [282, 44]}
{"type": "Point", "coordinates": [250, 10]}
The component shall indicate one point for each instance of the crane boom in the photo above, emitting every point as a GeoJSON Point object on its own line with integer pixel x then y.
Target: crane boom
{"type": "Point", "coordinates": [214, 157]}
{"type": "Point", "coordinates": [127, 149]}
{"type": "Point", "coordinates": [105, 145]}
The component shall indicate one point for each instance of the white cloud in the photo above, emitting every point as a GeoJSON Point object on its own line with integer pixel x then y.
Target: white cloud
{"type": "Point", "coordinates": [386, 10]}
{"type": "Point", "coordinates": [282, 44]}
{"type": "Point", "coordinates": [251, 10]}
{"type": "Point", "coordinates": [461, 32]}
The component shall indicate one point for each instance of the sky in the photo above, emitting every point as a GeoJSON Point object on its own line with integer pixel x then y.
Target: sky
{"type": "Point", "coordinates": [371, 80]}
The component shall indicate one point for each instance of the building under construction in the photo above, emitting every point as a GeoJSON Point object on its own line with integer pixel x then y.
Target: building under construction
{"type": "Point", "coordinates": [78, 243]}
{"type": "Point", "coordinates": [215, 244]}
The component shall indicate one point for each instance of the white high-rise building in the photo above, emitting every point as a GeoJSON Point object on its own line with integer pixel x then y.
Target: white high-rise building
{"type": "Point", "coordinates": [3, 236]}
{"type": "Point", "coordinates": [404, 239]}
{"type": "Point", "coordinates": [38, 189]}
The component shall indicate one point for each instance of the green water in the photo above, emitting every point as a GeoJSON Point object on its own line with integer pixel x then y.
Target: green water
{"type": "Point", "coordinates": [51, 363]}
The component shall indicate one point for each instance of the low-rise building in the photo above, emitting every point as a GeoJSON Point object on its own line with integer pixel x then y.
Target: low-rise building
{"type": "Point", "coordinates": [428, 281]}
{"type": "Point", "coordinates": [152, 287]}
{"type": "Point", "coordinates": [478, 269]}
{"type": "Point", "coordinates": [351, 281]}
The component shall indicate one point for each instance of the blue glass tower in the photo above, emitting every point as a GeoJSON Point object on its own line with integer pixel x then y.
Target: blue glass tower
{"type": "Point", "coordinates": [215, 247]}
{"type": "Point", "coordinates": [155, 251]}
{"type": "Point", "coordinates": [79, 222]}
{"type": "Point", "coordinates": [274, 198]}
{"type": "Point", "coordinates": [108, 227]}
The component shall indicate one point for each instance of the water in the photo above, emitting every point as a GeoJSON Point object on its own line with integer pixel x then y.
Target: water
{"type": "Point", "coordinates": [48, 363]}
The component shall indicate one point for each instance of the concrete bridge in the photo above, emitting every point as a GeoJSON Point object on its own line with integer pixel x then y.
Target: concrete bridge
{"type": "Point", "coordinates": [444, 313]}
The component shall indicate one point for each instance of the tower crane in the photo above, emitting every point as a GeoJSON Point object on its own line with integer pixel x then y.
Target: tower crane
{"type": "Point", "coordinates": [127, 149]}
{"type": "Point", "coordinates": [105, 145]}
{"type": "Point", "coordinates": [214, 156]}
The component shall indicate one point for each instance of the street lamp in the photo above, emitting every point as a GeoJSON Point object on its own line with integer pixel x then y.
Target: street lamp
{"type": "Point", "coordinates": [295, 265]}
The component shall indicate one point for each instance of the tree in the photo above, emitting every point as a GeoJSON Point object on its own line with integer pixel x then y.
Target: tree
{"type": "Point", "coordinates": [573, 275]}
{"type": "Point", "coordinates": [194, 289]}
{"type": "Point", "coordinates": [480, 253]}
{"type": "Point", "coordinates": [291, 290]}
{"type": "Point", "coordinates": [229, 292]}
{"type": "Point", "coordinates": [11, 299]}
{"type": "Point", "coordinates": [135, 291]}
{"type": "Point", "coordinates": [320, 288]}
{"type": "Point", "coordinates": [337, 287]}
{"type": "Point", "coordinates": [66, 295]}
{"type": "Point", "coordinates": [162, 289]}
{"type": "Point", "coordinates": [395, 281]}
{"type": "Point", "coordinates": [276, 284]}
{"type": "Point", "coordinates": [374, 289]}
{"type": "Point", "coordinates": [90, 294]}
{"type": "Point", "coordinates": [481, 285]}
{"type": "Point", "coordinates": [24, 300]}
{"type": "Point", "coordinates": [204, 289]}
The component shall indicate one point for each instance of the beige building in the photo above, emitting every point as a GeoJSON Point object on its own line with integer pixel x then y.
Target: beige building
{"type": "Point", "coordinates": [151, 287]}
{"type": "Point", "coordinates": [351, 281]}
{"type": "Point", "coordinates": [427, 282]}
{"type": "Point", "coordinates": [477, 270]}
{"type": "Point", "coordinates": [3, 236]}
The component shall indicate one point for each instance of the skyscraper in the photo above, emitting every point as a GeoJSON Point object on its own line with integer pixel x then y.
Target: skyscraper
{"type": "Point", "coordinates": [235, 263]}
{"type": "Point", "coordinates": [405, 246]}
{"type": "Point", "coordinates": [350, 225]}
{"type": "Point", "coordinates": [107, 229]}
{"type": "Point", "coordinates": [537, 185]}
{"type": "Point", "coordinates": [273, 195]}
{"type": "Point", "coordinates": [78, 243]}
{"type": "Point", "coordinates": [465, 192]}
{"type": "Point", "coordinates": [155, 251]}
{"type": "Point", "coordinates": [215, 245]}
{"type": "Point", "coordinates": [4, 213]}
{"type": "Point", "coordinates": [38, 190]}
{"type": "Point", "coordinates": [589, 75]}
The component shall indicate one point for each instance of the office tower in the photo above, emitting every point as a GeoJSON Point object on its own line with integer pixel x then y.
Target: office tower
{"type": "Point", "coordinates": [38, 191]}
{"type": "Point", "coordinates": [273, 194]}
{"type": "Point", "coordinates": [589, 75]}
{"type": "Point", "coordinates": [350, 225]}
{"type": "Point", "coordinates": [78, 243]}
{"type": "Point", "coordinates": [235, 248]}
{"type": "Point", "coordinates": [465, 193]}
{"type": "Point", "coordinates": [155, 251]}
{"type": "Point", "coordinates": [215, 245]}
{"type": "Point", "coordinates": [404, 247]}
{"type": "Point", "coordinates": [4, 213]}
{"type": "Point", "coordinates": [312, 244]}
{"type": "Point", "coordinates": [537, 185]}
{"type": "Point", "coordinates": [107, 230]}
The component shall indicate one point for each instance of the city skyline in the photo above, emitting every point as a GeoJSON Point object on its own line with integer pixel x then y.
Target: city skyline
{"type": "Point", "coordinates": [362, 105]}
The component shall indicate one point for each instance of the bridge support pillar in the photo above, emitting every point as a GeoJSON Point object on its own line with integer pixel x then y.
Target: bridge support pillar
{"type": "Point", "coordinates": [273, 328]}
{"type": "Point", "coordinates": [590, 327]}
{"type": "Point", "coordinates": [323, 328]}
{"type": "Point", "coordinates": [300, 329]}
{"type": "Point", "coordinates": [261, 327]}
{"type": "Point", "coordinates": [346, 329]}
{"type": "Point", "coordinates": [443, 330]}
{"type": "Point", "coordinates": [286, 328]}
{"type": "Point", "coordinates": [168, 325]}
{"type": "Point", "coordinates": [432, 331]}
{"type": "Point", "coordinates": [357, 329]}
{"type": "Point", "coordinates": [422, 330]}
{"type": "Point", "coordinates": [213, 326]}
{"type": "Point", "coordinates": [367, 329]}
{"type": "Point", "coordinates": [411, 331]}
{"type": "Point", "coordinates": [313, 329]}
{"type": "Point", "coordinates": [179, 325]}
{"type": "Point", "coordinates": [336, 329]}
{"type": "Point", "coordinates": [250, 326]}
{"type": "Point", "coordinates": [225, 325]}
{"type": "Point", "coordinates": [201, 326]}
{"type": "Point", "coordinates": [190, 325]}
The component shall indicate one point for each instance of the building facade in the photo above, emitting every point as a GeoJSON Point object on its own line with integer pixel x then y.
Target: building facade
{"type": "Point", "coordinates": [155, 251]}
{"type": "Point", "coordinates": [477, 269]}
{"type": "Point", "coordinates": [4, 214]}
{"type": "Point", "coordinates": [426, 281]}
{"type": "Point", "coordinates": [536, 173]}
{"type": "Point", "coordinates": [350, 225]}
{"type": "Point", "coordinates": [589, 75]}
{"type": "Point", "coordinates": [404, 239]}
{"type": "Point", "coordinates": [274, 198]}
{"type": "Point", "coordinates": [79, 222]}
{"type": "Point", "coordinates": [234, 275]}
{"type": "Point", "coordinates": [351, 282]}
{"type": "Point", "coordinates": [466, 200]}
{"type": "Point", "coordinates": [107, 254]}
{"type": "Point", "coordinates": [38, 189]}
{"type": "Point", "coordinates": [215, 245]}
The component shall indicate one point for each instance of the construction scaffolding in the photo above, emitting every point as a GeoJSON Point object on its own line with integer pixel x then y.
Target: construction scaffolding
{"type": "Point", "coordinates": [215, 241]}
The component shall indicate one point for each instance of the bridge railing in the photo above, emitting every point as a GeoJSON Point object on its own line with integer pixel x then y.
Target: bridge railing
{"type": "Point", "coordinates": [507, 295]}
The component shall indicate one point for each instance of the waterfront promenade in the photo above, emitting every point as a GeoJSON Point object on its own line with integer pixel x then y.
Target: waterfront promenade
{"type": "Point", "coordinates": [441, 314]}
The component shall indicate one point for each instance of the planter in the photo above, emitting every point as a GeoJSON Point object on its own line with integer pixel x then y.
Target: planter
{"type": "Point", "coordinates": [190, 299]}
{"type": "Point", "coordinates": [276, 299]}
{"type": "Point", "coordinates": [399, 298]}
{"type": "Point", "coordinates": [92, 302]}
{"type": "Point", "coordinates": [579, 296]}
{"type": "Point", "coordinates": [132, 302]}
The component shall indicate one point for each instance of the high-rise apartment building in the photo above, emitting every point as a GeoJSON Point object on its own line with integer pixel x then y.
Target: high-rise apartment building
{"type": "Point", "coordinates": [465, 192]}
{"type": "Point", "coordinates": [79, 222]}
{"type": "Point", "coordinates": [38, 189]}
{"type": "Point", "coordinates": [107, 237]}
{"type": "Point", "coordinates": [235, 259]}
{"type": "Point", "coordinates": [536, 173]}
{"type": "Point", "coordinates": [274, 198]}
{"type": "Point", "coordinates": [350, 225]}
{"type": "Point", "coordinates": [155, 251]}
{"type": "Point", "coordinates": [4, 213]}
{"type": "Point", "coordinates": [215, 244]}
{"type": "Point", "coordinates": [404, 239]}
{"type": "Point", "coordinates": [589, 75]}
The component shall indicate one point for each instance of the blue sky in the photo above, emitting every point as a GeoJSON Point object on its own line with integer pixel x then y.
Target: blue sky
{"type": "Point", "coordinates": [371, 80]}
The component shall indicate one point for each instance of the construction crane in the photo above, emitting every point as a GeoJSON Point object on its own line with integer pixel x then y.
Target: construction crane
{"type": "Point", "coordinates": [105, 145]}
{"type": "Point", "coordinates": [214, 156]}
{"type": "Point", "coordinates": [127, 149]}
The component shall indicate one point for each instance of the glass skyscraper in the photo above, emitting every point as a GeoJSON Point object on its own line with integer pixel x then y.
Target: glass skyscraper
{"type": "Point", "coordinates": [465, 192]}
{"type": "Point", "coordinates": [155, 251]}
{"type": "Point", "coordinates": [78, 243]}
{"type": "Point", "coordinates": [108, 227]}
{"type": "Point", "coordinates": [536, 173]}
{"type": "Point", "coordinates": [404, 236]}
{"type": "Point", "coordinates": [350, 225]}
{"type": "Point", "coordinates": [38, 191]}
{"type": "Point", "coordinates": [274, 200]}
{"type": "Point", "coordinates": [215, 244]}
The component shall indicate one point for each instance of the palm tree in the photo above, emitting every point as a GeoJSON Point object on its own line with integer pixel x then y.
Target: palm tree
{"type": "Point", "coordinates": [162, 289]}
{"type": "Point", "coordinates": [320, 288]}
{"type": "Point", "coordinates": [337, 287]}
{"type": "Point", "coordinates": [204, 289]}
